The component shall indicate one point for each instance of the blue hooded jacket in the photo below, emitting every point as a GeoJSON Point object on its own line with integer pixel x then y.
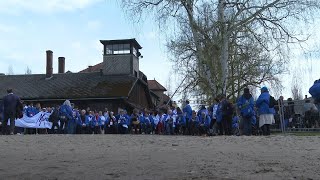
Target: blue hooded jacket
{"type": "Point", "coordinates": [245, 104]}
{"type": "Point", "coordinates": [95, 121]}
{"type": "Point", "coordinates": [66, 111]}
{"type": "Point", "coordinates": [181, 119]}
{"type": "Point", "coordinates": [315, 90]}
{"type": "Point", "coordinates": [235, 122]}
{"type": "Point", "coordinates": [123, 120]}
{"type": "Point", "coordinates": [142, 119]}
{"type": "Point", "coordinates": [187, 109]}
{"type": "Point", "coordinates": [262, 104]}
{"type": "Point", "coordinates": [206, 120]}
{"type": "Point", "coordinates": [31, 111]}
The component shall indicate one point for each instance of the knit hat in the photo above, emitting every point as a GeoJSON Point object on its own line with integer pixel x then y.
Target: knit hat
{"type": "Point", "coordinates": [264, 89]}
{"type": "Point", "coordinates": [246, 91]}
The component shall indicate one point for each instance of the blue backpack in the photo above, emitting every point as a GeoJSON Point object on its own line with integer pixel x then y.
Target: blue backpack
{"type": "Point", "coordinates": [246, 110]}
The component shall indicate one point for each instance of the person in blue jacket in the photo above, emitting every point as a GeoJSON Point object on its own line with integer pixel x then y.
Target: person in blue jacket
{"type": "Point", "coordinates": [180, 122]}
{"type": "Point", "coordinates": [122, 123]}
{"type": "Point", "coordinates": [204, 123]}
{"type": "Point", "coordinates": [72, 123]}
{"type": "Point", "coordinates": [315, 93]}
{"type": "Point", "coordinates": [202, 109]}
{"type": "Point", "coordinates": [265, 110]}
{"type": "Point", "coordinates": [194, 124]}
{"type": "Point", "coordinates": [152, 124]}
{"type": "Point", "coordinates": [95, 123]}
{"type": "Point", "coordinates": [188, 114]}
{"type": "Point", "coordinates": [245, 105]}
{"type": "Point", "coordinates": [82, 123]}
{"type": "Point", "coordinates": [236, 125]}
{"type": "Point", "coordinates": [219, 116]}
{"type": "Point", "coordinates": [129, 123]}
{"type": "Point", "coordinates": [145, 123]}
{"type": "Point", "coordinates": [31, 110]}
{"type": "Point", "coordinates": [168, 121]}
{"type": "Point", "coordinates": [65, 114]}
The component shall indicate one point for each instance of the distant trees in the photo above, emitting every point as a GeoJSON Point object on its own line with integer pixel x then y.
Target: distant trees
{"type": "Point", "coordinates": [10, 70]}
{"type": "Point", "coordinates": [28, 70]}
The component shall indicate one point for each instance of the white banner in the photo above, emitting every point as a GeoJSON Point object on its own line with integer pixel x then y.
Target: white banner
{"type": "Point", "coordinates": [39, 121]}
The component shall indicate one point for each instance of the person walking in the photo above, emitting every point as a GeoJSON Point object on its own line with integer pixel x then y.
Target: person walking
{"type": "Point", "coordinates": [11, 102]}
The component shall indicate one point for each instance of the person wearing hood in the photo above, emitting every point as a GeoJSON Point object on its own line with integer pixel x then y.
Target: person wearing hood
{"type": "Point", "coordinates": [246, 108]}
{"type": "Point", "coordinates": [315, 93]}
{"type": "Point", "coordinates": [265, 104]}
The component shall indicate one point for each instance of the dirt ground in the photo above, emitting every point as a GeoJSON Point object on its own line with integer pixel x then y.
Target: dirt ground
{"type": "Point", "coordinates": [140, 157]}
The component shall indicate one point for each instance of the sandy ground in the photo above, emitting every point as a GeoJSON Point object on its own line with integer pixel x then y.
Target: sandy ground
{"type": "Point", "coordinates": [158, 157]}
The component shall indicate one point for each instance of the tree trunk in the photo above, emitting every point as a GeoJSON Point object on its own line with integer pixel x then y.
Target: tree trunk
{"type": "Point", "coordinates": [199, 53]}
{"type": "Point", "coordinates": [225, 45]}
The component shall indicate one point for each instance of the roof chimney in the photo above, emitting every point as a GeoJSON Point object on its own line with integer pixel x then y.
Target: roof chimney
{"type": "Point", "coordinates": [61, 66]}
{"type": "Point", "coordinates": [90, 68]}
{"type": "Point", "coordinates": [49, 70]}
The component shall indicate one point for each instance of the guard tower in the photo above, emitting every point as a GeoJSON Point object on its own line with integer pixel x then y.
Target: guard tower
{"type": "Point", "coordinates": [121, 57]}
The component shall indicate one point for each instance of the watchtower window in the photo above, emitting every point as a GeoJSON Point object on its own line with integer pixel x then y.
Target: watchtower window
{"type": "Point", "coordinates": [134, 51]}
{"type": "Point", "coordinates": [118, 49]}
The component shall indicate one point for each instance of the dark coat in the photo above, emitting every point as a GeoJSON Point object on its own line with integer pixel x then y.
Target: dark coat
{"type": "Point", "coordinates": [11, 103]}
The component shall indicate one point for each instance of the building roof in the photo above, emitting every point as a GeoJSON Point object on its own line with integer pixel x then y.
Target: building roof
{"type": "Point", "coordinates": [95, 68]}
{"type": "Point", "coordinates": [155, 86]}
{"type": "Point", "coordinates": [68, 86]}
{"type": "Point", "coordinates": [122, 41]}
{"type": "Point", "coordinates": [152, 84]}
{"type": "Point", "coordinates": [165, 98]}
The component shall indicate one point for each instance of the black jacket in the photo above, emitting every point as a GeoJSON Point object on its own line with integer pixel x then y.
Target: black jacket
{"type": "Point", "coordinates": [11, 102]}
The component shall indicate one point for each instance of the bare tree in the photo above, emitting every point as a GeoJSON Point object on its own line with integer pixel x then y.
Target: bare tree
{"type": "Point", "coordinates": [28, 70]}
{"type": "Point", "coordinates": [10, 70]}
{"type": "Point", "coordinates": [228, 40]}
{"type": "Point", "coordinates": [296, 89]}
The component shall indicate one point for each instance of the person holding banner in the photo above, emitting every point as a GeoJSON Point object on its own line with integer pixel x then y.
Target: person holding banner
{"type": "Point", "coordinates": [11, 103]}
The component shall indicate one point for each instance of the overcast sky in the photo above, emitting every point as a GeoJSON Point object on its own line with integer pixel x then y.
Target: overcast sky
{"type": "Point", "coordinates": [73, 28]}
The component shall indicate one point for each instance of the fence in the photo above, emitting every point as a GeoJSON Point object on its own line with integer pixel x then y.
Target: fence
{"type": "Point", "coordinates": [301, 115]}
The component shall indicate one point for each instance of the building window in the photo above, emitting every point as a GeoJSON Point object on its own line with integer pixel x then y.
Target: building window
{"type": "Point", "coordinates": [134, 51]}
{"type": "Point", "coordinates": [108, 49]}
{"type": "Point", "coordinates": [118, 49]}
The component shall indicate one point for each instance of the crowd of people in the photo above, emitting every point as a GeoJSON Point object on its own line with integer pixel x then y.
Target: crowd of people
{"type": "Point", "coordinates": [245, 117]}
